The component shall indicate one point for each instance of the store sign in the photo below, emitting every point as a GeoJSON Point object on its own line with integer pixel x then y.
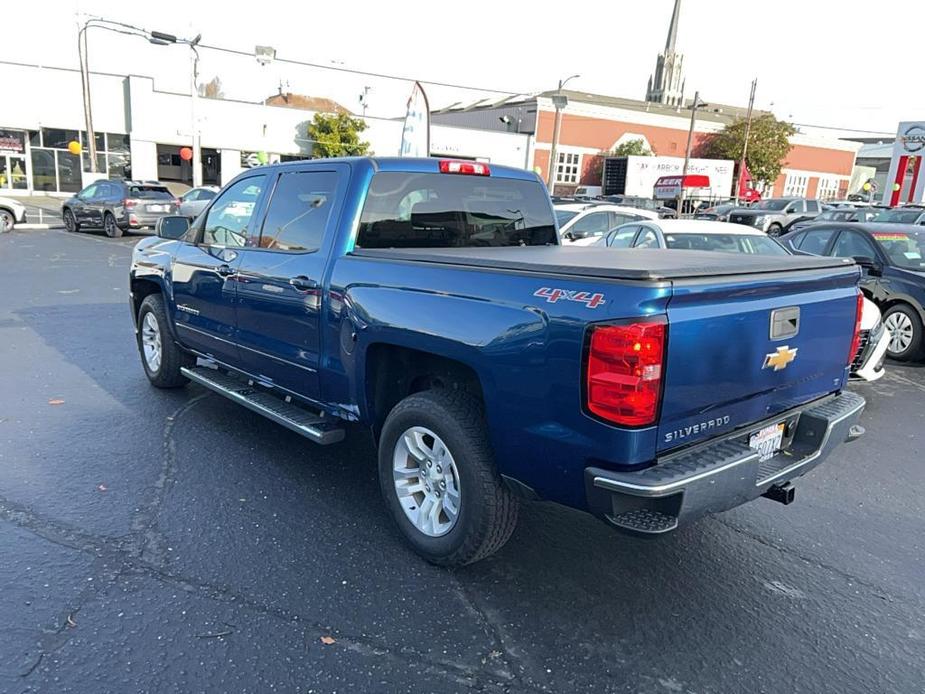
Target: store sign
{"type": "Point", "coordinates": [13, 141]}
{"type": "Point", "coordinates": [906, 180]}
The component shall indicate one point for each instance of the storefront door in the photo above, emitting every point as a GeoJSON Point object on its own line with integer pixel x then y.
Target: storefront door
{"type": "Point", "coordinates": [13, 172]}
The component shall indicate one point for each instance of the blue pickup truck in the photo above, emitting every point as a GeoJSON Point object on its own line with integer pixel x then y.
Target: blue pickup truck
{"type": "Point", "coordinates": [430, 301]}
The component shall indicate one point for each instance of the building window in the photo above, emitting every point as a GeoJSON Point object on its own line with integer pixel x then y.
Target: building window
{"type": "Point", "coordinates": [828, 188]}
{"type": "Point", "coordinates": [568, 167]}
{"type": "Point", "coordinates": [795, 186]}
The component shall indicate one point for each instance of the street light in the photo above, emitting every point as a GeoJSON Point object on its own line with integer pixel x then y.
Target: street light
{"type": "Point", "coordinates": [157, 38]}
{"type": "Point", "coordinates": [560, 101]}
{"type": "Point", "coordinates": [687, 154]}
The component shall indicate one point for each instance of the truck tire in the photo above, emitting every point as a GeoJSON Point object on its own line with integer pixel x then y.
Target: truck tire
{"type": "Point", "coordinates": [905, 327]}
{"type": "Point", "coordinates": [112, 229]}
{"type": "Point", "coordinates": [439, 480]}
{"type": "Point", "coordinates": [160, 355]}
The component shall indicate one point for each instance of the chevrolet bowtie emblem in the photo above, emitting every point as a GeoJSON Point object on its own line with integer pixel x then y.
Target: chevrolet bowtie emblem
{"type": "Point", "coordinates": [780, 359]}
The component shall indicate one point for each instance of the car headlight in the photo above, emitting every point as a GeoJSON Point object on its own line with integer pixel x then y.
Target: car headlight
{"type": "Point", "coordinates": [760, 219]}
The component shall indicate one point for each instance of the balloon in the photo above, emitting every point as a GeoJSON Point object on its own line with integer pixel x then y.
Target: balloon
{"type": "Point", "coordinates": [896, 187]}
{"type": "Point", "coordinates": [186, 153]}
{"type": "Point", "coordinates": [866, 186]}
{"type": "Point", "coordinates": [74, 147]}
{"type": "Point", "coordinates": [263, 157]}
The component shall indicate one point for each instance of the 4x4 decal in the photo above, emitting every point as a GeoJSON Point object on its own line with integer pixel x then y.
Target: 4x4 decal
{"type": "Point", "coordinates": [553, 295]}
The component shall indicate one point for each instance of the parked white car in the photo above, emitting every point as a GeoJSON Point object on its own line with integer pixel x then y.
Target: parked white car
{"type": "Point", "coordinates": [582, 224]}
{"type": "Point", "coordinates": [875, 339]}
{"type": "Point", "coordinates": [195, 200]}
{"type": "Point", "coordinates": [11, 213]}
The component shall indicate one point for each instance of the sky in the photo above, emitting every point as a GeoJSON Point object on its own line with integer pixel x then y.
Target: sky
{"type": "Point", "coordinates": [842, 64]}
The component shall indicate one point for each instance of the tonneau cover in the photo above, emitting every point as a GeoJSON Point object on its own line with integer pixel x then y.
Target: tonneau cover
{"type": "Point", "coordinates": [629, 264]}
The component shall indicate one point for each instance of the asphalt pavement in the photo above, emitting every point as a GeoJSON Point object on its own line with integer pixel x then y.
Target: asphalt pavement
{"type": "Point", "coordinates": [171, 541]}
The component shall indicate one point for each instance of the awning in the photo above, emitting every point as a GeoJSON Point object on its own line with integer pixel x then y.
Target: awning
{"type": "Point", "coordinates": [669, 187]}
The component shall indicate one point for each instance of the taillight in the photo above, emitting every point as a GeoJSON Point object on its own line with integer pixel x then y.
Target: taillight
{"type": "Point", "coordinates": [856, 340]}
{"type": "Point", "coordinates": [624, 372]}
{"type": "Point", "coordinates": [129, 203]}
{"type": "Point", "coordinates": [471, 168]}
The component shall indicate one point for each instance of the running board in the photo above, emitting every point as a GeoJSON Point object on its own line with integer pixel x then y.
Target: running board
{"type": "Point", "coordinates": [318, 428]}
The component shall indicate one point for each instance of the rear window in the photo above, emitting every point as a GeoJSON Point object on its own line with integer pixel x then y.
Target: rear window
{"type": "Point", "coordinates": [453, 211]}
{"type": "Point", "coordinates": [563, 216]}
{"type": "Point", "coordinates": [726, 243]}
{"type": "Point", "coordinates": [149, 193]}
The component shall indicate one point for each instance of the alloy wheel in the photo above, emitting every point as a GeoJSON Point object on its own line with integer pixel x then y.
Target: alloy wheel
{"type": "Point", "coordinates": [6, 221]}
{"type": "Point", "coordinates": [151, 342]}
{"type": "Point", "coordinates": [901, 331]}
{"type": "Point", "coordinates": [426, 481]}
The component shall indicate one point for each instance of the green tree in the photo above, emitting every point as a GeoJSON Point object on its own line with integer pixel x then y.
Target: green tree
{"type": "Point", "coordinates": [337, 135]}
{"type": "Point", "coordinates": [768, 145]}
{"type": "Point", "coordinates": [631, 148]}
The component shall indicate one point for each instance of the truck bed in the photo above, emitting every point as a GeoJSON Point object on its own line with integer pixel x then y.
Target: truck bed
{"type": "Point", "coordinates": [632, 264]}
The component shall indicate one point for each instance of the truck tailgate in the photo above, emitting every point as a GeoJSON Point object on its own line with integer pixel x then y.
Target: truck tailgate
{"type": "Point", "coordinates": [725, 371]}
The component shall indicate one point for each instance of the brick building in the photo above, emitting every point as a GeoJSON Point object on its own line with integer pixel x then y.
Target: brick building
{"type": "Point", "coordinates": [593, 124]}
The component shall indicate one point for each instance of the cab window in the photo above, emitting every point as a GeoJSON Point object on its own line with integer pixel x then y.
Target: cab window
{"type": "Point", "coordinates": [299, 211]}
{"type": "Point", "coordinates": [228, 218]}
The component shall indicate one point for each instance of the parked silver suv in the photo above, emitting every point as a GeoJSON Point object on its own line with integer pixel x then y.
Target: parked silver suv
{"type": "Point", "coordinates": [776, 215]}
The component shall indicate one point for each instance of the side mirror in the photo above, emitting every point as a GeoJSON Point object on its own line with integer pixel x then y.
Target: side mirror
{"type": "Point", "coordinates": [568, 236]}
{"type": "Point", "coordinates": [172, 227]}
{"type": "Point", "coordinates": [868, 264]}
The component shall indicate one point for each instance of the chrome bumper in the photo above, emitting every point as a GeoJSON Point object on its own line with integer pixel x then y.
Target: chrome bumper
{"type": "Point", "coordinates": [722, 475]}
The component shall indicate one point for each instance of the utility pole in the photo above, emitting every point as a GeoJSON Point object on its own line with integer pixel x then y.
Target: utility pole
{"type": "Point", "coordinates": [748, 128]}
{"type": "Point", "coordinates": [687, 154]}
{"type": "Point", "coordinates": [560, 101]}
{"type": "Point", "coordinates": [85, 85]}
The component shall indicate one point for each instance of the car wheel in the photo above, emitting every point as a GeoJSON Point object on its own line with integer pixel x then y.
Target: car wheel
{"type": "Point", "coordinates": [6, 221]}
{"type": "Point", "coordinates": [439, 480]}
{"type": "Point", "coordinates": [160, 355]}
{"type": "Point", "coordinates": [70, 222]}
{"type": "Point", "coordinates": [110, 227]}
{"type": "Point", "coordinates": [905, 327]}
{"type": "Point", "coordinates": [775, 229]}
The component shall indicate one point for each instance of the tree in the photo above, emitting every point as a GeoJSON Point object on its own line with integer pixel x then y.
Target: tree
{"type": "Point", "coordinates": [337, 135]}
{"type": "Point", "coordinates": [768, 145]}
{"type": "Point", "coordinates": [631, 148]}
{"type": "Point", "coordinates": [212, 89]}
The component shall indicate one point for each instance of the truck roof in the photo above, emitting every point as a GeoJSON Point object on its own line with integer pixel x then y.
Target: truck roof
{"type": "Point", "coordinates": [410, 165]}
{"type": "Point", "coordinates": [625, 264]}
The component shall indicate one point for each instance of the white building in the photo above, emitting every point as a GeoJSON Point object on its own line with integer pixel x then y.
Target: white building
{"type": "Point", "coordinates": [140, 131]}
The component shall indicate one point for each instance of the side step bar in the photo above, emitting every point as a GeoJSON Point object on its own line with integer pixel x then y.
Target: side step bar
{"type": "Point", "coordinates": [320, 429]}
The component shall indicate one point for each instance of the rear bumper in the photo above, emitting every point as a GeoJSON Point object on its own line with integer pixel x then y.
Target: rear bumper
{"type": "Point", "coordinates": [721, 475]}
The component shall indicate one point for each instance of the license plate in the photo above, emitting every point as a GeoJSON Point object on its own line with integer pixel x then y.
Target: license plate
{"type": "Point", "coordinates": [157, 208]}
{"type": "Point", "coordinates": [767, 441]}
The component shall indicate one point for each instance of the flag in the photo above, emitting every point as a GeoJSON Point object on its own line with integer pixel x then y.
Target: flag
{"type": "Point", "coordinates": [415, 137]}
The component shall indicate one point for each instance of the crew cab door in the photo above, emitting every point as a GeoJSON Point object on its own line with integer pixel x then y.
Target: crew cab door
{"type": "Point", "coordinates": [279, 288]}
{"type": "Point", "coordinates": [204, 272]}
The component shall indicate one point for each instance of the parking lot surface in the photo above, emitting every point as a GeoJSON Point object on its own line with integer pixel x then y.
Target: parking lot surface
{"type": "Point", "coordinates": [173, 541]}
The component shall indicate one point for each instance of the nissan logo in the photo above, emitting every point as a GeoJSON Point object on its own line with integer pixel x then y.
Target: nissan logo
{"type": "Point", "coordinates": [914, 138]}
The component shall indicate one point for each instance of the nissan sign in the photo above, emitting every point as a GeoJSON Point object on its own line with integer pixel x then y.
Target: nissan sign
{"type": "Point", "coordinates": [913, 138]}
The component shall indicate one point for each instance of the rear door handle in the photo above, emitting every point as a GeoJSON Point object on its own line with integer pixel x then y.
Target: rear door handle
{"type": "Point", "coordinates": [303, 283]}
{"type": "Point", "coordinates": [225, 270]}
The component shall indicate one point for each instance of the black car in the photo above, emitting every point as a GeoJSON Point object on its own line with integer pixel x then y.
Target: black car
{"type": "Point", "coordinates": [839, 214]}
{"type": "Point", "coordinates": [718, 213]}
{"type": "Point", "coordinates": [118, 205]}
{"type": "Point", "coordinates": [892, 257]}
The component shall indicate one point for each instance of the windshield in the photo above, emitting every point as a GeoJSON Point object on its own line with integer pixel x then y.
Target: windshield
{"type": "Point", "coordinates": [773, 205]}
{"type": "Point", "coordinates": [726, 243]}
{"type": "Point", "coordinates": [904, 249]}
{"type": "Point", "coordinates": [405, 210]}
{"type": "Point", "coordinates": [899, 216]}
{"type": "Point", "coordinates": [149, 193]}
{"type": "Point", "coordinates": [563, 216]}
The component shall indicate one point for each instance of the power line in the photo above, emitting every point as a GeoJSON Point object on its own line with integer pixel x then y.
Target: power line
{"type": "Point", "coordinates": [847, 130]}
{"type": "Point", "coordinates": [353, 71]}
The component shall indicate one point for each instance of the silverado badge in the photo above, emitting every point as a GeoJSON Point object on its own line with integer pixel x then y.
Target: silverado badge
{"type": "Point", "coordinates": [780, 359]}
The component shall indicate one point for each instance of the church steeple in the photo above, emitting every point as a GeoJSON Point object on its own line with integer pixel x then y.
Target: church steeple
{"type": "Point", "coordinates": [666, 85]}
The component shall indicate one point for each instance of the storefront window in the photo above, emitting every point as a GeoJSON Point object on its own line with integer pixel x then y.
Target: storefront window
{"type": "Point", "coordinates": [100, 141]}
{"type": "Point", "coordinates": [57, 137]}
{"type": "Point", "coordinates": [35, 138]}
{"type": "Point", "coordinates": [120, 165]}
{"type": "Point", "coordinates": [117, 143]}
{"type": "Point", "coordinates": [100, 161]}
{"type": "Point", "coordinates": [69, 179]}
{"type": "Point", "coordinates": [43, 170]}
